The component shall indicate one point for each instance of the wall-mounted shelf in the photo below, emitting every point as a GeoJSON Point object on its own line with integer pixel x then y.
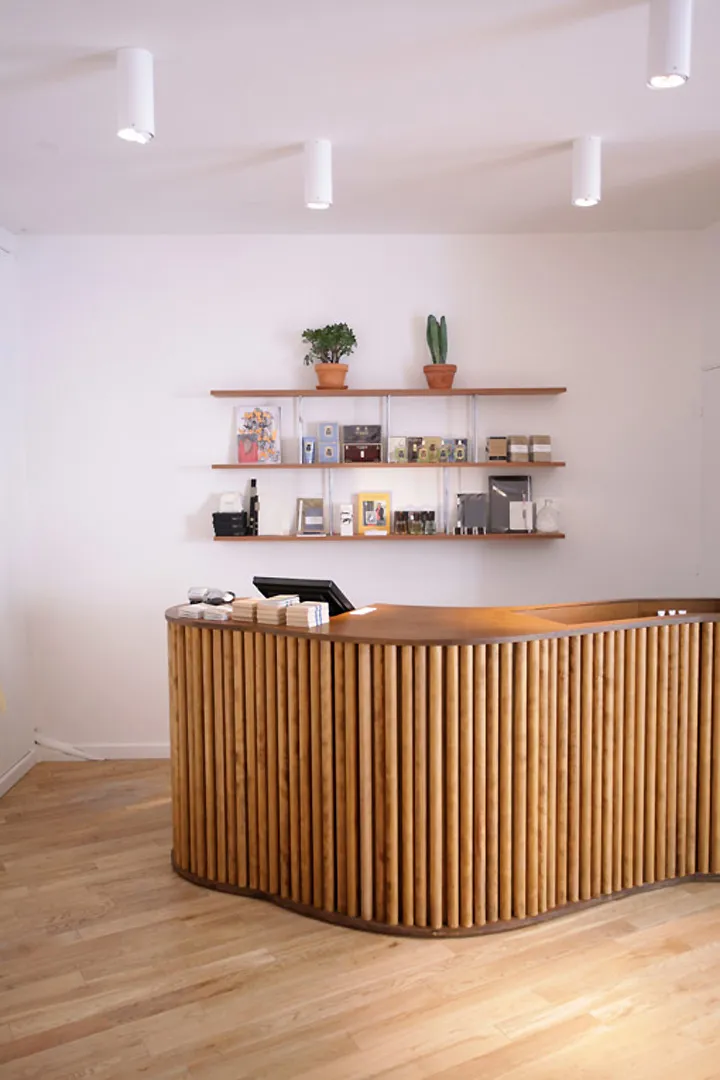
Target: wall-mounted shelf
{"type": "Point", "coordinates": [519, 466]}
{"type": "Point", "coordinates": [499, 391]}
{"type": "Point", "coordinates": [512, 537]}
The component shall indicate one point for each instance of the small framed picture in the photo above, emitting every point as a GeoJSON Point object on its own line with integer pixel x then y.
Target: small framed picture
{"type": "Point", "coordinates": [374, 513]}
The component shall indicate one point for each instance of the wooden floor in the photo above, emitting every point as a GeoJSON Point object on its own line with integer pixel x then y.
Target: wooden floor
{"type": "Point", "coordinates": [111, 966]}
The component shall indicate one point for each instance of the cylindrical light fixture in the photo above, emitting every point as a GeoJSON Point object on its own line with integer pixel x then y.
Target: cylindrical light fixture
{"type": "Point", "coordinates": [587, 170]}
{"type": "Point", "coordinates": [136, 95]}
{"type": "Point", "coordinates": [669, 43]}
{"type": "Point", "coordinates": [318, 174]}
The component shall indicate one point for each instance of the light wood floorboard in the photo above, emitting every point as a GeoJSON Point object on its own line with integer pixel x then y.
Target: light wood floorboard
{"type": "Point", "coordinates": [113, 967]}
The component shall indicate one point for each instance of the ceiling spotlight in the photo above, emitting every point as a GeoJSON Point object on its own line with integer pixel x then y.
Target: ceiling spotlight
{"type": "Point", "coordinates": [318, 174]}
{"type": "Point", "coordinates": [136, 95]}
{"type": "Point", "coordinates": [586, 171]}
{"type": "Point", "coordinates": [669, 43]}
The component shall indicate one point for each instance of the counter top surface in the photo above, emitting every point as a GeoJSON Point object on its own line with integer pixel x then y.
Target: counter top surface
{"type": "Point", "coordinates": [381, 624]}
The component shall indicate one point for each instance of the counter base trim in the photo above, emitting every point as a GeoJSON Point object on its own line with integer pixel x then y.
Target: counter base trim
{"type": "Point", "coordinates": [369, 926]}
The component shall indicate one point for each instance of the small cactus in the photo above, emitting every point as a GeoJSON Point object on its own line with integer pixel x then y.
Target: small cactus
{"type": "Point", "coordinates": [437, 339]}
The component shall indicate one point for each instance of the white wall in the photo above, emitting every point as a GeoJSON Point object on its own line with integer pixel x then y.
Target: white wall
{"type": "Point", "coordinates": [710, 510]}
{"type": "Point", "coordinates": [16, 738]}
{"type": "Point", "coordinates": [124, 338]}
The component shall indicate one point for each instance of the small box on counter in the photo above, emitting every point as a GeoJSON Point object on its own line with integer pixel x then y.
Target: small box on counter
{"type": "Point", "coordinates": [362, 433]}
{"type": "Point", "coordinates": [360, 453]}
{"type": "Point", "coordinates": [496, 448]}
{"type": "Point", "coordinates": [518, 448]}
{"type": "Point", "coordinates": [540, 448]}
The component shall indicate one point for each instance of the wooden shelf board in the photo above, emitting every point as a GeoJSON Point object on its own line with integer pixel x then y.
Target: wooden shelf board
{"type": "Point", "coordinates": [519, 466]}
{"type": "Point", "coordinates": [494, 391]}
{"type": "Point", "coordinates": [513, 537]}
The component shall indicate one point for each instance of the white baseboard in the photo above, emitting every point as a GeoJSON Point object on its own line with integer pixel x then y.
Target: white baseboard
{"type": "Point", "coordinates": [125, 751]}
{"type": "Point", "coordinates": [16, 772]}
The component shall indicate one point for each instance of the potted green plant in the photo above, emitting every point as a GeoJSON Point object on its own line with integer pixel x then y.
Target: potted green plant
{"type": "Point", "coordinates": [328, 345]}
{"type": "Point", "coordinates": [439, 374]}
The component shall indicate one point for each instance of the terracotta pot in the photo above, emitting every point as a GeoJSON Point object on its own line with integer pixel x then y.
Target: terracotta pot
{"type": "Point", "coordinates": [331, 376]}
{"type": "Point", "coordinates": [440, 376]}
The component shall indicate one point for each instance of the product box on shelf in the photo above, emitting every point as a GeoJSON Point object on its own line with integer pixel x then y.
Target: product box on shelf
{"type": "Point", "coordinates": [540, 448]}
{"type": "Point", "coordinates": [496, 448]}
{"type": "Point", "coordinates": [328, 453]}
{"type": "Point", "coordinates": [329, 431]}
{"type": "Point", "coordinates": [414, 446]}
{"type": "Point", "coordinates": [362, 433]}
{"type": "Point", "coordinates": [518, 448]}
{"type": "Point", "coordinates": [360, 453]}
{"type": "Point", "coordinates": [397, 449]}
{"type": "Point", "coordinates": [432, 444]}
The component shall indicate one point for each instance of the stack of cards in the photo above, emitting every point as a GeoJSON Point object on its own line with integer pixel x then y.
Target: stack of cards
{"type": "Point", "coordinates": [217, 612]}
{"type": "Point", "coordinates": [309, 613]}
{"type": "Point", "coordinates": [192, 611]}
{"type": "Point", "coordinates": [244, 608]}
{"type": "Point", "coordinates": [273, 612]}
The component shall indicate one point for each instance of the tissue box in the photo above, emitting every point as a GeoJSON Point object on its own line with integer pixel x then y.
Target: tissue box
{"type": "Point", "coordinates": [518, 448]}
{"type": "Point", "coordinates": [540, 448]}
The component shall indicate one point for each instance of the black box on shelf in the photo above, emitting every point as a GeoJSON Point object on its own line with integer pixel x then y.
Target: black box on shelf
{"type": "Point", "coordinates": [362, 433]}
{"type": "Point", "coordinates": [230, 524]}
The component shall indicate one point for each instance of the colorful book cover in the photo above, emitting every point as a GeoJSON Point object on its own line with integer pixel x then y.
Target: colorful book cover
{"type": "Point", "coordinates": [258, 435]}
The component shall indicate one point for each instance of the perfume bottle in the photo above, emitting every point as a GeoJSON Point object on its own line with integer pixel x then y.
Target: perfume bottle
{"type": "Point", "coordinates": [547, 517]}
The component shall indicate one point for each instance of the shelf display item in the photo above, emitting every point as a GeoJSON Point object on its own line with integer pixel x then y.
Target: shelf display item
{"type": "Point", "coordinates": [414, 446]}
{"type": "Point", "coordinates": [503, 490]}
{"type": "Point", "coordinates": [401, 522]}
{"type": "Point", "coordinates": [362, 453]}
{"type": "Point", "coordinates": [548, 518]}
{"type": "Point", "coordinates": [429, 523]}
{"type": "Point", "coordinates": [432, 444]}
{"type": "Point", "coordinates": [518, 448]}
{"type": "Point", "coordinates": [540, 448]}
{"type": "Point", "coordinates": [309, 451]}
{"type": "Point", "coordinates": [328, 453]}
{"type": "Point", "coordinates": [522, 516]}
{"type": "Point", "coordinates": [258, 435]}
{"type": "Point", "coordinates": [471, 513]}
{"type": "Point", "coordinates": [310, 517]}
{"type": "Point", "coordinates": [253, 514]}
{"type": "Point", "coordinates": [329, 431]}
{"type": "Point", "coordinates": [416, 525]}
{"type": "Point", "coordinates": [374, 513]}
{"type": "Point", "coordinates": [496, 448]}
{"type": "Point", "coordinates": [362, 433]}
{"type": "Point", "coordinates": [398, 449]}
{"type": "Point", "coordinates": [347, 519]}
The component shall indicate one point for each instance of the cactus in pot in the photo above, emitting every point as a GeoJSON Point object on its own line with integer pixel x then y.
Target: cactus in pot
{"type": "Point", "coordinates": [439, 373]}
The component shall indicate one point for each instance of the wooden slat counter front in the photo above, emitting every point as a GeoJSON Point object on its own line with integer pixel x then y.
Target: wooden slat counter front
{"type": "Point", "coordinates": [448, 770]}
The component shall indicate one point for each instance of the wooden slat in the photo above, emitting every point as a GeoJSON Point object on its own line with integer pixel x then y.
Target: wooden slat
{"type": "Point", "coordinates": [505, 823]}
{"type": "Point", "coordinates": [586, 766]}
{"type": "Point", "coordinates": [420, 785]}
{"type": "Point", "coordinates": [230, 788]}
{"type": "Point", "coordinates": [283, 766]}
{"type": "Point", "coordinates": [551, 774]}
{"type": "Point", "coordinates": [378, 732]}
{"type": "Point", "coordinates": [628, 845]}
{"type": "Point", "coordinates": [618, 762]}
{"type": "Point", "coordinates": [305, 773]}
{"type": "Point", "coordinates": [641, 681]}
{"type": "Point", "coordinates": [316, 782]}
{"type": "Point", "coordinates": [693, 719]}
{"type": "Point", "coordinates": [340, 727]}
{"type": "Point", "coordinates": [661, 792]}
{"type": "Point", "coordinates": [208, 739]}
{"type": "Point", "coordinates": [392, 787]}
{"type": "Point", "coordinates": [715, 774]}
{"type": "Point", "coordinates": [597, 764]}
{"type": "Point", "coordinates": [533, 776]}
{"type": "Point", "coordinates": [352, 818]}
{"type": "Point", "coordinates": [407, 832]}
{"type": "Point", "coordinates": [435, 786]}
{"type": "Point", "coordinates": [473, 785]}
{"type": "Point", "coordinates": [294, 755]}
{"type": "Point", "coordinates": [193, 671]}
{"type": "Point", "coordinates": [520, 776]}
{"type": "Point", "coordinates": [705, 747]}
{"type": "Point", "coordinates": [682, 758]}
{"type": "Point", "coordinates": [492, 802]}
{"type": "Point", "coordinates": [543, 762]}
{"type": "Point", "coordinates": [251, 761]}
{"type": "Point", "coordinates": [563, 766]}
{"type": "Point", "coordinates": [219, 754]}
{"type": "Point", "coordinates": [241, 801]}
{"type": "Point", "coordinates": [261, 762]}
{"type": "Point", "coordinates": [364, 667]}
{"type": "Point", "coordinates": [271, 750]}
{"type": "Point", "coordinates": [651, 726]}
{"type": "Point", "coordinates": [183, 852]}
{"type": "Point", "coordinates": [452, 786]}
{"type": "Point", "coordinates": [327, 776]}
{"type": "Point", "coordinates": [608, 762]}
{"type": "Point", "coordinates": [671, 774]}
{"type": "Point", "coordinates": [173, 632]}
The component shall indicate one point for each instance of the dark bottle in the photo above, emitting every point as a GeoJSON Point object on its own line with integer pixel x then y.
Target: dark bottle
{"type": "Point", "coordinates": [253, 509]}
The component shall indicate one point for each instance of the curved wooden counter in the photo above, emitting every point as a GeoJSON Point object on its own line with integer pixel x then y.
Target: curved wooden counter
{"type": "Point", "coordinates": [444, 771]}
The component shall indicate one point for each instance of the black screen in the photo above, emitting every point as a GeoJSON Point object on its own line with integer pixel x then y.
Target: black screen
{"type": "Point", "coordinates": [306, 589]}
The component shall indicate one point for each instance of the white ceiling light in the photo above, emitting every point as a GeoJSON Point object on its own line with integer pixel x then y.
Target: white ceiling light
{"type": "Point", "coordinates": [669, 43]}
{"type": "Point", "coordinates": [587, 171]}
{"type": "Point", "coordinates": [318, 174]}
{"type": "Point", "coordinates": [136, 95]}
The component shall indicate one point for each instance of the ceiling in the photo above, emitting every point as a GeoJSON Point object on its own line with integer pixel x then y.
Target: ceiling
{"type": "Point", "coordinates": [445, 116]}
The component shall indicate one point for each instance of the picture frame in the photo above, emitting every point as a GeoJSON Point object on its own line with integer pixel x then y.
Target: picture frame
{"type": "Point", "coordinates": [258, 435]}
{"type": "Point", "coordinates": [373, 513]}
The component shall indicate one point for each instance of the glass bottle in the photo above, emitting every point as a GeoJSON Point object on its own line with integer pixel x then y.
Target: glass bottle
{"type": "Point", "coordinates": [546, 520]}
